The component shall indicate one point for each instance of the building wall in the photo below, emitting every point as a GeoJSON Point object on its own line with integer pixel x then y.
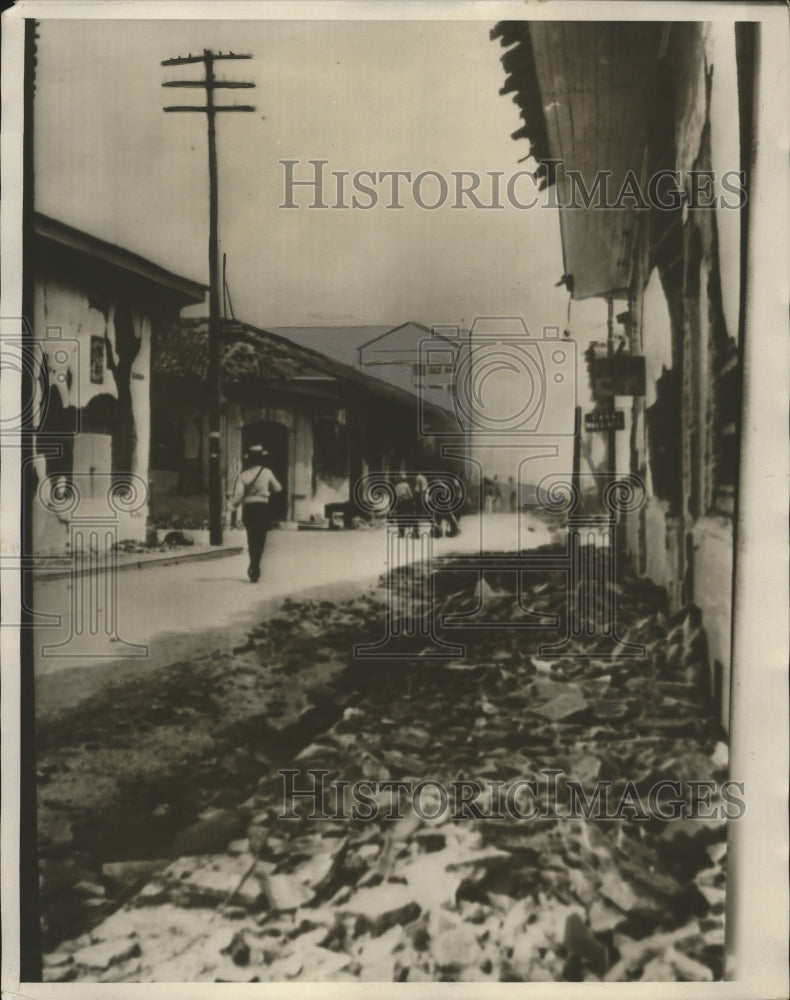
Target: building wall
{"type": "Point", "coordinates": [307, 490]}
{"type": "Point", "coordinates": [689, 321]}
{"type": "Point", "coordinates": [65, 320]}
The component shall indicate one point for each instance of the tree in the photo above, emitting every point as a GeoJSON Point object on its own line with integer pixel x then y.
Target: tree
{"type": "Point", "coordinates": [119, 362]}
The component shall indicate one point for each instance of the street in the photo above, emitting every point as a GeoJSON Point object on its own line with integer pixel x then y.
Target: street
{"type": "Point", "coordinates": [194, 608]}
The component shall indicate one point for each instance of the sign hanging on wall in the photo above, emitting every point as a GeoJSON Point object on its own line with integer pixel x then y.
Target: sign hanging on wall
{"type": "Point", "coordinates": [601, 420]}
{"type": "Point", "coordinates": [619, 375]}
{"type": "Point", "coordinates": [97, 360]}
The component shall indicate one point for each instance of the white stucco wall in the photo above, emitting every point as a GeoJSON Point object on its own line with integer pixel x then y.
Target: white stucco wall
{"type": "Point", "coordinates": [725, 156]}
{"type": "Point", "coordinates": [64, 323]}
{"type": "Point", "coordinates": [713, 560]}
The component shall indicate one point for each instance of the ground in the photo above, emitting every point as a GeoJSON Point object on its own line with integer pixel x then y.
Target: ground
{"type": "Point", "coordinates": [165, 854]}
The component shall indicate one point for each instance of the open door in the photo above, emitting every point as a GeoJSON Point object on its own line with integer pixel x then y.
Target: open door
{"type": "Point", "coordinates": [273, 437]}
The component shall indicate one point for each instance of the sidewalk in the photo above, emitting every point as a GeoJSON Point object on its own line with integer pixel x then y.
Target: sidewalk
{"type": "Point", "coordinates": [187, 609]}
{"type": "Point", "coordinates": [154, 557]}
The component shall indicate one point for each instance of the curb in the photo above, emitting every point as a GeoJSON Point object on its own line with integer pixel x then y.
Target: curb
{"type": "Point", "coordinates": [166, 560]}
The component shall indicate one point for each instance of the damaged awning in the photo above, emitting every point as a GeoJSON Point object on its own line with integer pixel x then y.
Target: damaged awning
{"type": "Point", "coordinates": [594, 81]}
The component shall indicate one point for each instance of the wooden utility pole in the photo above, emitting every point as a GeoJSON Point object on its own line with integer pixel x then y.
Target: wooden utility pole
{"type": "Point", "coordinates": [611, 446]}
{"type": "Point", "coordinates": [210, 83]}
{"type": "Point", "coordinates": [577, 450]}
{"type": "Point", "coordinates": [29, 908]}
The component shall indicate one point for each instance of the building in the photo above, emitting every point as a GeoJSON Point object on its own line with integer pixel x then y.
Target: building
{"type": "Point", "coordinates": [96, 308]}
{"type": "Point", "coordinates": [395, 355]}
{"type": "Point", "coordinates": [324, 422]}
{"type": "Point", "coordinates": [644, 134]}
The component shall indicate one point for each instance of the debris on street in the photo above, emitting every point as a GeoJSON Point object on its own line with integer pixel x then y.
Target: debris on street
{"type": "Point", "coordinates": [215, 885]}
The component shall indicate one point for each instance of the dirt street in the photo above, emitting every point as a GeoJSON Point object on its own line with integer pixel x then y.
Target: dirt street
{"type": "Point", "coordinates": [164, 857]}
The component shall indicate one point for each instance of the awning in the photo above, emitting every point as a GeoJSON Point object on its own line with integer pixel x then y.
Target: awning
{"type": "Point", "coordinates": [594, 80]}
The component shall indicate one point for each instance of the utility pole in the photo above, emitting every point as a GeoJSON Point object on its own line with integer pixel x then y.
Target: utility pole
{"type": "Point", "coordinates": [611, 447]}
{"type": "Point", "coordinates": [211, 109]}
{"type": "Point", "coordinates": [577, 450]}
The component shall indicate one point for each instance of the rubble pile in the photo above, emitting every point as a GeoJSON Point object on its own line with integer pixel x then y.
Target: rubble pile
{"type": "Point", "coordinates": [446, 891]}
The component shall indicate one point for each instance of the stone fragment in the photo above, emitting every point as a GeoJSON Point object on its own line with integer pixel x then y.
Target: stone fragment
{"type": "Point", "coordinates": [673, 965]}
{"type": "Point", "coordinates": [372, 951]}
{"type": "Point", "coordinates": [381, 907]}
{"type": "Point", "coordinates": [85, 888]}
{"type": "Point", "coordinates": [131, 873]}
{"type": "Point", "coordinates": [714, 935]}
{"type": "Point", "coordinates": [618, 891]}
{"type": "Point", "coordinates": [321, 964]}
{"type": "Point", "coordinates": [288, 967]}
{"type": "Point", "coordinates": [563, 707]}
{"type": "Point", "coordinates": [152, 893]}
{"type": "Point", "coordinates": [455, 948]}
{"type": "Point", "coordinates": [211, 834]}
{"type": "Point", "coordinates": [106, 953]}
{"type": "Point", "coordinates": [603, 918]}
{"type": "Point", "coordinates": [579, 940]}
{"type": "Point", "coordinates": [635, 954]}
{"type": "Point", "coordinates": [585, 768]}
{"type": "Point", "coordinates": [430, 884]}
{"type": "Point", "coordinates": [716, 851]}
{"type": "Point", "coordinates": [285, 892]}
{"type": "Point", "coordinates": [218, 879]}
{"type": "Point", "coordinates": [369, 851]}
{"type": "Point", "coordinates": [609, 710]}
{"type": "Point", "coordinates": [515, 919]}
{"type": "Point", "coordinates": [238, 950]}
{"type": "Point", "coordinates": [62, 974]}
{"type": "Point", "coordinates": [57, 958]}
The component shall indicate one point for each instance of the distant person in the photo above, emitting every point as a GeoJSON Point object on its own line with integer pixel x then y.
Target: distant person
{"type": "Point", "coordinates": [513, 495]}
{"type": "Point", "coordinates": [420, 493]}
{"type": "Point", "coordinates": [497, 495]}
{"type": "Point", "coordinates": [404, 500]}
{"type": "Point", "coordinates": [404, 496]}
{"type": "Point", "coordinates": [488, 494]}
{"type": "Point", "coordinates": [254, 486]}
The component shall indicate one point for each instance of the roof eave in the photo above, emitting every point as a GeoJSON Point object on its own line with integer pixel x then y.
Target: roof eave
{"type": "Point", "coordinates": [64, 236]}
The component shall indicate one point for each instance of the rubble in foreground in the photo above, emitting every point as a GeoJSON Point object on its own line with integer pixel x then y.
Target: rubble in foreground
{"type": "Point", "coordinates": [244, 896]}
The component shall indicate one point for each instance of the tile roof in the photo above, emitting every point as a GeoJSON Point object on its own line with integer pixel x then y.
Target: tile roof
{"type": "Point", "coordinates": [339, 342]}
{"type": "Point", "coordinates": [251, 355]}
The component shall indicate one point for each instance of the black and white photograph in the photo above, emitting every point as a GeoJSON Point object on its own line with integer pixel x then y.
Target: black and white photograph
{"type": "Point", "coordinates": [395, 470]}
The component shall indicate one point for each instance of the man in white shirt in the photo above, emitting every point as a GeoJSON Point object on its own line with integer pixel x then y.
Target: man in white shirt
{"type": "Point", "coordinates": [420, 492]}
{"type": "Point", "coordinates": [253, 488]}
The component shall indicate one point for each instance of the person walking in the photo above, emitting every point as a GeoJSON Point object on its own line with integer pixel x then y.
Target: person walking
{"type": "Point", "coordinates": [404, 501]}
{"type": "Point", "coordinates": [506, 489]}
{"type": "Point", "coordinates": [488, 494]}
{"type": "Point", "coordinates": [420, 493]}
{"type": "Point", "coordinates": [254, 485]}
{"type": "Point", "coordinates": [496, 488]}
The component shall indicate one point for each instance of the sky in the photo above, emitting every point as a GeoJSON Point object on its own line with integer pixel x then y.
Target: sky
{"type": "Point", "coordinates": [363, 95]}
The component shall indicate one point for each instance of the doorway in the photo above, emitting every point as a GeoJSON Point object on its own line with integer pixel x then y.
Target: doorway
{"type": "Point", "coordinates": [274, 437]}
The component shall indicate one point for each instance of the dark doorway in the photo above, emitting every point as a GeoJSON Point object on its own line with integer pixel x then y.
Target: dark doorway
{"type": "Point", "coordinates": [274, 437]}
